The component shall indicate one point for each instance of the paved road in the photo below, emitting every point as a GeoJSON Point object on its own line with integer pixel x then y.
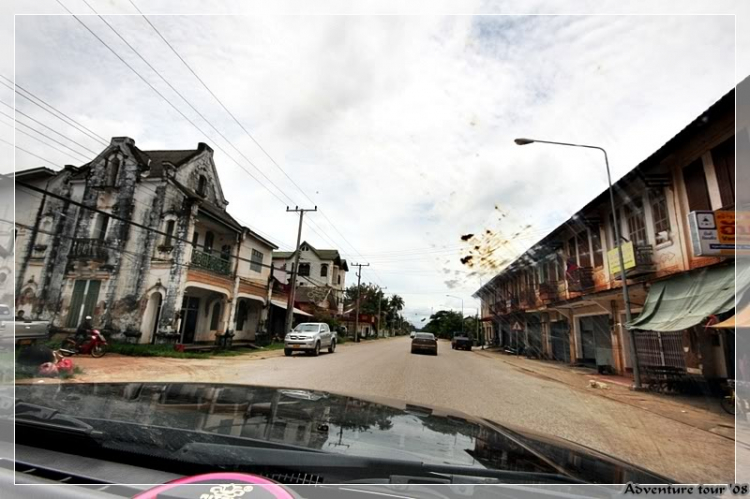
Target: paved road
{"type": "Point", "coordinates": [478, 384]}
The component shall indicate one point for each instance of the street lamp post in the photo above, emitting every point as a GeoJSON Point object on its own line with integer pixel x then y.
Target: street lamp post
{"type": "Point", "coordinates": [462, 310]}
{"type": "Point", "coordinates": [625, 294]}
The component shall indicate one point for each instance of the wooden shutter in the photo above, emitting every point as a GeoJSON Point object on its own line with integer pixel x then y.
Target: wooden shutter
{"type": "Point", "coordinates": [92, 295]}
{"type": "Point", "coordinates": [696, 186]}
{"type": "Point", "coordinates": [74, 313]}
{"type": "Point", "coordinates": [723, 157]}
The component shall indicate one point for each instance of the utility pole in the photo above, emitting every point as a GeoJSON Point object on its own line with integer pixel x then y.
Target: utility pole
{"type": "Point", "coordinates": [359, 292]}
{"type": "Point", "coordinates": [295, 266]}
{"type": "Point", "coordinates": [380, 301]}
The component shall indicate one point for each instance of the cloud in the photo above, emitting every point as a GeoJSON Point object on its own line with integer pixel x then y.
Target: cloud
{"type": "Point", "coordinates": [399, 128]}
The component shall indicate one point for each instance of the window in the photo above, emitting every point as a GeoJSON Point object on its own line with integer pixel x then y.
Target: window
{"type": "Point", "coordinates": [304, 269]}
{"type": "Point", "coordinates": [613, 243]}
{"type": "Point", "coordinates": [572, 248]}
{"type": "Point", "coordinates": [584, 251]}
{"type": "Point", "coordinates": [113, 168]}
{"type": "Point", "coordinates": [195, 238]}
{"type": "Point", "coordinates": [324, 270]}
{"type": "Point", "coordinates": [696, 186]}
{"type": "Point", "coordinates": [100, 226]}
{"type": "Point", "coordinates": [636, 222]}
{"type": "Point", "coordinates": [215, 316]}
{"type": "Point", "coordinates": [256, 261]}
{"type": "Point", "coordinates": [202, 181]}
{"type": "Point", "coordinates": [226, 251]}
{"type": "Point", "coordinates": [723, 157]}
{"type": "Point", "coordinates": [339, 278]}
{"type": "Point", "coordinates": [208, 242]}
{"type": "Point", "coordinates": [596, 245]}
{"type": "Point", "coordinates": [170, 233]}
{"type": "Point", "coordinates": [83, 301]}
{"type": "Point", "coordinates": [660, 214]}
{"type": "Point", "coordinates": [242, 313]}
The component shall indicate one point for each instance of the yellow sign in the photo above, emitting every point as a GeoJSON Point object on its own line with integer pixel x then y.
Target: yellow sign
{"type": "Point", "coordinates": [628, 256]}
{"type": "Point", "coordinates": [725, 227]}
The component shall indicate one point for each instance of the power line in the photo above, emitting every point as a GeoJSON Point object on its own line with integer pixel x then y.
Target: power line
{"type": "Point", "coordinates": [71, 122]}
{"type": "Point", "coordinates": [40, 140]}
{"type": "Point", "coordinates": [237, 121]}
{"type": "Point", "coordinates": [44, 135]}
{"type": "Point", "coordinates": [31, 153]}
{"type": "Point", "coordinates": [142, 185]}
{"type": "Point", "coordinates": [187, 101]}
{"type": "Point", "coordinates": [48, 128]}
{"type": "Point", "coordinates": [125, 220]}
{"type": "Point", "coordinates": [180, 112]}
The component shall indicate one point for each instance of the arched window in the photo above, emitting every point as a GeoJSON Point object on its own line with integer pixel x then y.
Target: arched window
{"type": "Point", "coordinates": [215, 316]}
{"type": "Point", "coordinates": [304, 269]}
{"type": "Point", "coordinates": [208, 243]}
{"type": "Point", "coordinates": [324, 270]}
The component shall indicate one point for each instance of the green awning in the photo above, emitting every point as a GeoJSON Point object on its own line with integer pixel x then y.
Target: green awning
{"type": "Point", "coordinates": [686, 300]}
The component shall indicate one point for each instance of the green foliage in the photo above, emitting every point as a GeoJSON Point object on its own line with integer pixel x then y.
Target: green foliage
{"type": "Point", "coordinates": [154, 351]}
{"type": "Point", "coordinates": [444, 323]}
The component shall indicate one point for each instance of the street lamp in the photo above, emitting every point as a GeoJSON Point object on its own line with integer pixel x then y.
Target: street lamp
{"type": "Point", "coordinates": [625, 294]}
{"type": "Point", "coordinates": [462, 310]}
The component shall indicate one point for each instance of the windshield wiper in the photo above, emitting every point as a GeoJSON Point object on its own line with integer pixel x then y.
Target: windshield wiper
{"type": "Point", "coordinates": [38, 416]}
{"type": "Point", "coordinates": [233, 455]}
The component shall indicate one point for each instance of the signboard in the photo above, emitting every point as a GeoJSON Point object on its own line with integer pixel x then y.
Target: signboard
{"type": "Point", "coordinates": [628, 257]}
{"type": "Point", "coordinates": [716, 233]}
{"type": "Point", "coordinates": [517, 326]}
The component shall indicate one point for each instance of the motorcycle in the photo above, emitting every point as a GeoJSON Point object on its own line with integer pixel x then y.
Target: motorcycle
{"type": "Point", "coordinates": [95, 345]}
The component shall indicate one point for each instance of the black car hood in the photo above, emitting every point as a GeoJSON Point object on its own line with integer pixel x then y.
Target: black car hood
{"type": "Point", "coordinates": [381, 428]}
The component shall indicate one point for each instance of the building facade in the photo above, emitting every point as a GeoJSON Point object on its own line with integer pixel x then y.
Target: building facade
{"type": "Point", "coordinates": [562, 299]}
{"type": "Point", "coordinates": [142, 242]}
{"type": "Point", "coordinates": [321, 280]}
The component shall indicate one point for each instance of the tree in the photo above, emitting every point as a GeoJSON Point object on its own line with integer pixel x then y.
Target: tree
{"type": "Point", "coordinates": [444, 323]}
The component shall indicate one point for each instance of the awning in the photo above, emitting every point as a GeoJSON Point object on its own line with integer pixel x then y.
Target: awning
{"type": "Point", "coordinates": [687, 299]}
{"type": "Point", "coordinates": [297, 311]}
{"type": "Point", "coordinates": [742, 319]}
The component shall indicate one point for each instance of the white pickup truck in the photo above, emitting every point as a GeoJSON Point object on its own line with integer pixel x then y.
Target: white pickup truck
{"type": "Point", "coordinates": [310, 337]}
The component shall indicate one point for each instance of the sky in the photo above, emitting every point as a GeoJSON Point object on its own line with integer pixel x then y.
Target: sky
{"type": "Point", "coordinates": [399, 128]}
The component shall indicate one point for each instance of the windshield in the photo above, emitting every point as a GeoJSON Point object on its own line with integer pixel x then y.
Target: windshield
{"type": "Point", "coordinates": [527, 221]}
{"type": "Point", "coordinates": [307, 328]}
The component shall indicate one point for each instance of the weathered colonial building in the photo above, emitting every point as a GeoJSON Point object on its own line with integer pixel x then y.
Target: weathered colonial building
{"type": "Point", "coordinates": [142, 241]}
{"type": "Point", "coordinates": [562, 299]}
{"type": "Point", "coordinates": [321, 281]}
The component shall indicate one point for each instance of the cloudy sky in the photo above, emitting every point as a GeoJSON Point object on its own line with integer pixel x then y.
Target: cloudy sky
{"type": "Point", "coordinates": [400, 128]}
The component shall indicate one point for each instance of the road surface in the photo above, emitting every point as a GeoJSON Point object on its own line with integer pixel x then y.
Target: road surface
{"type": "Point", "coordinates": [474, 382]}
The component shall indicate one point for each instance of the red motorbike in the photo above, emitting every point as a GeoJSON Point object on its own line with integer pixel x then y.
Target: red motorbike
{"type": "Point", "coordinates": [95, 345]}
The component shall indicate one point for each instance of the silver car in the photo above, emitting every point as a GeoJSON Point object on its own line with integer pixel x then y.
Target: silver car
{"type": "Point", "coordinates": [310, 337]}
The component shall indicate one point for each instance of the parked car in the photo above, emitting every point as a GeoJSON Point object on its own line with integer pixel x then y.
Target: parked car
{"type": "Point", "coordinates": [23, 333]}
{"type": "Point", "coordinates": [461, 341]}
{"type": "Point", "coordinates": [310, 337]}
{"type": "Point", "coordinates": [424, 342]}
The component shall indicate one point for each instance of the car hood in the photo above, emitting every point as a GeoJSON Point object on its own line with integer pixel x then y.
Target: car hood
{"type": "Point", "coordinates": [381, 428]}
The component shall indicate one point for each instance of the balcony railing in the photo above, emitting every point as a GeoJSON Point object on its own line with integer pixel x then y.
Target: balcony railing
{"type": "Point", "coordinates": [580, 279]}
{"type": "Point", "coordinates": [549, 291]}
{"type": "Point", "coordinates": [212, 263]}
{"type": "Point", "coordinates": [644, 262]}
{"type": "Point", "coordinates": [88, 249]}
